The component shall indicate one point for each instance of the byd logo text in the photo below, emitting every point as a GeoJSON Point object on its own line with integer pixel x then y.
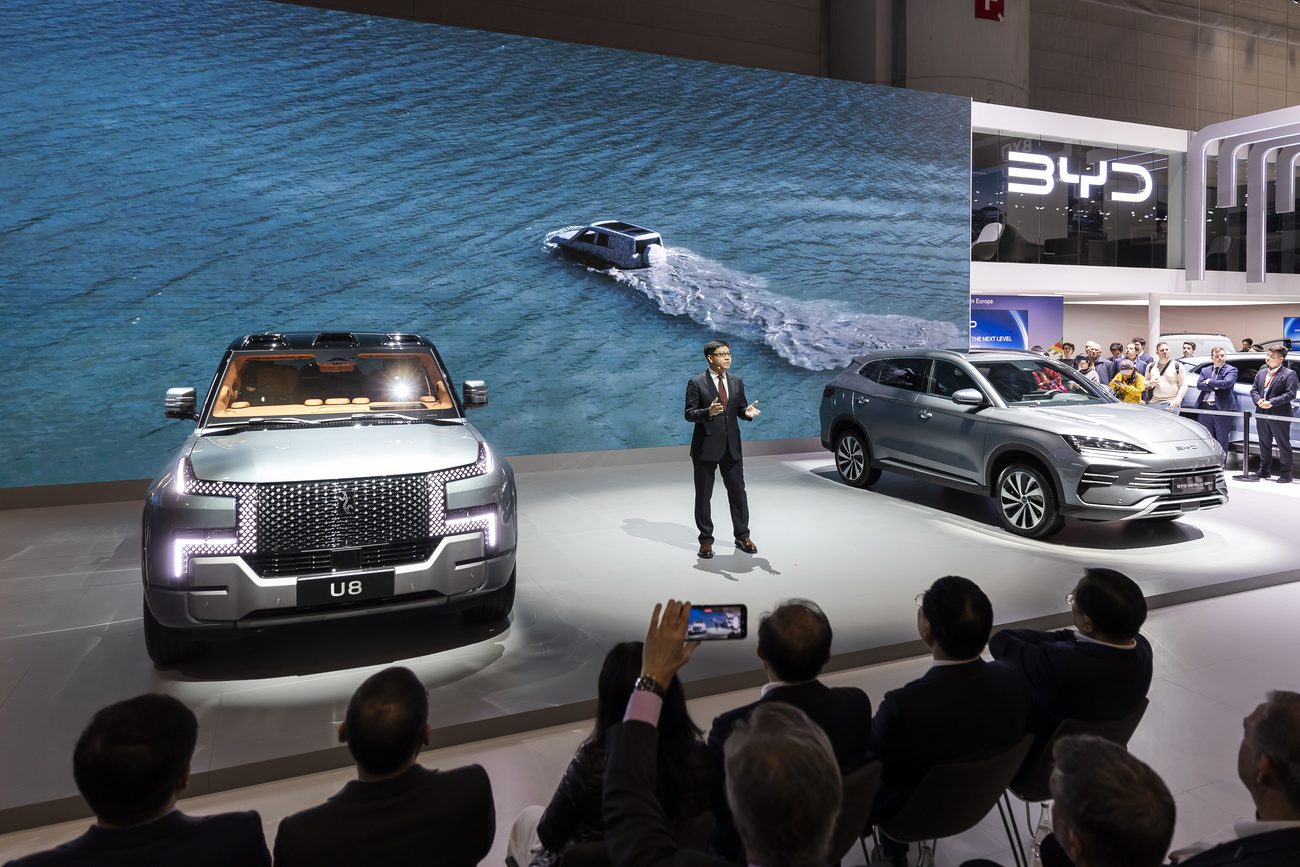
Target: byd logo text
{"type": "Point", "coordinates": [1043, 170]}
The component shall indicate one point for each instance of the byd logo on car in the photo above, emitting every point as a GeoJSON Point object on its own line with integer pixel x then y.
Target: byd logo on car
{"type": "Point", "coordinates": [1045, 171]}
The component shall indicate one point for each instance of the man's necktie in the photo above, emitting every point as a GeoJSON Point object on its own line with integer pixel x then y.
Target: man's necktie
{"type": "Point", "coordinates": [722, 391]}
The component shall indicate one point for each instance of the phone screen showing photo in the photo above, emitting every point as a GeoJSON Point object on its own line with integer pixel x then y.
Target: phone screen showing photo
{"type": "Point", "coordinates": [711, 622]}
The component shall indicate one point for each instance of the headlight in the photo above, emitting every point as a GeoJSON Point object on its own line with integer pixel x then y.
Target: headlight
{"type": "Point", "coordinates": [1083, 444]}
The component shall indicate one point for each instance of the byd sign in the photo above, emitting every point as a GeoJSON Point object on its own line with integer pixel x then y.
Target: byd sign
{"type": "Point", "coordinates": [1044, 172]}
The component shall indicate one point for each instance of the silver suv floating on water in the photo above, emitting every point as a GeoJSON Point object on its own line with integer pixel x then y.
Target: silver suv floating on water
{"type": "Point", "coordinates": [1030, 432]}
{"type": "Point", "coordinates": [621, 244]}
{"type": "Point", "coordinates": [329, 475]}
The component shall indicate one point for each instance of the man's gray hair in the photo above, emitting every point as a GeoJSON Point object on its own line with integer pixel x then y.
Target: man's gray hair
{"type": "Point", "coordinates": [1119, 808]}
{"type": "Point", "coordinates": [783, 785]}
{"type": "Point", "coordinates": [1277, 735]}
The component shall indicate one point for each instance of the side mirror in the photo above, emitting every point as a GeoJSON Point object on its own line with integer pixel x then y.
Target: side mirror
{"type": "Point", "coordinates": [180, 403]}
{"type": "Point", "coordinates": [968, 397]}
{"type": "Point", "coordinates": [474, 392]}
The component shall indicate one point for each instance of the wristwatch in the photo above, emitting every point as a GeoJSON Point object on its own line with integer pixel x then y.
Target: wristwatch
{"type": "Point", "coordinates": [649, 684]}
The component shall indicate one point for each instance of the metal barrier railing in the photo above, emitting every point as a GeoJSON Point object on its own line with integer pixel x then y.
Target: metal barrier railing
{"type": "Point", "coordinates": [1246, 416]}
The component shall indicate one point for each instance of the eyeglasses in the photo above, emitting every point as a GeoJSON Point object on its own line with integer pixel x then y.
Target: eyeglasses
{"type": "Point", "coordinates": [1069, 599]}
{"type": "Point", "coordinates": [721, 355]}
{"type": "Point", "coordinates": [920, 597]}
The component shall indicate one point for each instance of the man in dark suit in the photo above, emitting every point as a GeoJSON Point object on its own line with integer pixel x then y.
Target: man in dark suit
{"type": "Point", "coordinates": [1268, 763]}
{"type": "Point", "coordinates": [962, 709]}
{"type": "Point", "coordinates": [131, 764]}
{"type": "Point", "coordinates": [715, 401]}
{"type": "Point", "coordinates": [783, 785]}
{"type": "Point", "coordinates": [395, 812]}
{"type": "Point", "coordinates": [1215, 385]}
{"type": "Point", "coordinates": [1145, 358]}
{"type": "Point", "coordinates": [794, 642]}
{"type": "Point", "coordinates": [1108, 367]}
{"type": "Point", "coordinates": [1274, 389]}
{"type": "Point", "coordinates": [1096, 672]}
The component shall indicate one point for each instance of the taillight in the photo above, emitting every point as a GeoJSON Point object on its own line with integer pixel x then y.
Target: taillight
{"type": "Point", "coordinates": [828, 391]}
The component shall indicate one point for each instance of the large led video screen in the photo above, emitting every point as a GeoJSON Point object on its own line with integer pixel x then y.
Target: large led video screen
{"type": "Point", "coordinates": [179, 174]}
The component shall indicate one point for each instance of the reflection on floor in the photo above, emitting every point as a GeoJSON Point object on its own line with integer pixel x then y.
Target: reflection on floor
{"type": "Point", "coordinates": [598, 548]}
{"type": "Point", "coordinates": [1214, 661]}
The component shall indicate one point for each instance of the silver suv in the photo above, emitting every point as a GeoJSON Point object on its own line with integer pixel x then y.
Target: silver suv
{"type": "Point", "coordinates": [329, 475]}
{"type": "Point", "coordinates": [1030, 432]}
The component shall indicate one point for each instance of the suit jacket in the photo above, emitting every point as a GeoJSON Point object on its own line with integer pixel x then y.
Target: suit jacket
{"type": "Point", "coordinates": [955, 713]}
{"type": "Point", "coordinates": [442, 818]}
{"type": "Point", "coordinates": [1108, 367]}
{"type": "Point", "coordinates": [1072, 679]}
{"type": "Point", "coordinates": [636, 832]}
{"type": "Point", "coordinates": [1270, 849]}
{"type": "Point", "coordinates": [1281, 391]}
{"type": "Point", "coordinates": [719, 438]}
{"type": "Point", "coordinates": [1220, 384]}
{"type": "Point", "coordinates": [233, 839]}
{"type": "Point", "coordinates": [843, 712]}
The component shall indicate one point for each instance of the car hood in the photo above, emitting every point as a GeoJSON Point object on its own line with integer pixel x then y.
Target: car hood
{"type": "Point", "coordinates": [1120, 421]}
{"type": "Point", "coordinates": [347, 452]}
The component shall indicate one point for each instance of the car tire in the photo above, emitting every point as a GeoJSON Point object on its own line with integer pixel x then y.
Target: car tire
{"type": "Point", "coordinates": [1027, 502]}
{"type": "Point", "coordinates": [498, 606]}
{"type": "Point", "coordinates": [164, 646]}
{"type": "Point", "coordinates": [853, 460]}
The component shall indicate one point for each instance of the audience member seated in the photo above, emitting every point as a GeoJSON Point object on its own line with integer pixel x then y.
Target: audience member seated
{"type": "Point", "coordinates": [794, 643]}
{"type": "Point", "coordinates": [131, 764]}
{"type": "Point", "coordinates": [395, 812]}
{"type": "Point", "coordinates": [962, 709]}
{"type": "Point", "coordinates": [1099, 671]}
{"type": "Point", "coordinates": [684, 773]}
{"type": "Point", "coordinates": [1268, 763]}
{"type": "Point", "coordinates": [1108, 808]}
{"type": "Point", "coordinates": [783, 783]}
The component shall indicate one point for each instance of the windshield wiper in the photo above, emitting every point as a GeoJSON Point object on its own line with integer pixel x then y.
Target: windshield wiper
{"type": "Point", "coordinates": [362, 416]}
{"type": "Point", "coordinates": [256, 421]}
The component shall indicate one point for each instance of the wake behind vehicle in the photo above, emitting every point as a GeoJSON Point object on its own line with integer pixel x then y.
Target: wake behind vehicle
{"type": "Point", "coordinates": [1029, 431]}
{"type": "Point", "coordinates": [617, 243]}
{"type": "Point", "coordinates": [329, 475]}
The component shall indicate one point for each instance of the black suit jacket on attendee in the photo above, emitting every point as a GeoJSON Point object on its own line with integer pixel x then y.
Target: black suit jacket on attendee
{"type": "Point", "coordinates": [1108, 367]}
{"type": "Point", "coordinates": [442, 818]}
{"type": "Point", "coordinates": [1270, 849]}
{"type": "Point", "coordinates": [223, 840]}
{"type": "Point", "coordinates": [718, 438]}
{"type": "Point", "coordinates": [1280, 392]}
{"type": "Point", "coordinates": [955, 713]}
{"type": "Point", "coordinates": [1072, 679]}
{"type": "Point", "coordinates": [843, 712]}
{"type": "Point", "coordinates": [636, 832]}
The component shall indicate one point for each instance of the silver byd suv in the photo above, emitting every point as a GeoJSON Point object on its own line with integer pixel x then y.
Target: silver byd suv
{"type": "Point", "coordinates": [329, 475]}
{"type": "Point", "coordinates": [1030, 432]}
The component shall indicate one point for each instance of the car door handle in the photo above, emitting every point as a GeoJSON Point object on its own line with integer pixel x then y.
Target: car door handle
{"type": "Point", "coordinates": [925, 413]}
{"type": "Point", "coordinates": [863, 400]}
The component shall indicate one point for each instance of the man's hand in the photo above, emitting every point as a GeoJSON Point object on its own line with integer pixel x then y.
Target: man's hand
{"type": "Point", "coordinates": [715, 408]}
{"type": "Point", "coordinates": [1264, 403]}
{"type": "Point", "coordinates": [751, 410]}
{"type": "Point", "coordinates": [666, 648]}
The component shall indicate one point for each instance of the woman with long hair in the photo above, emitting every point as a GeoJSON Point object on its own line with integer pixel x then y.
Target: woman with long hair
{"type": "Point", "coordinates": [685, 781]}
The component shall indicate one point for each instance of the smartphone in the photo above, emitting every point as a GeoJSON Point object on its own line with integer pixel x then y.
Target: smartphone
{"type": "Point", "coordinates": [714, 622]}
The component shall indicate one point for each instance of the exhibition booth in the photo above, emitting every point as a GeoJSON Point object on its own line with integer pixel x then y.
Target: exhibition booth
{"type": "Point", "coordinates": [177, 182]}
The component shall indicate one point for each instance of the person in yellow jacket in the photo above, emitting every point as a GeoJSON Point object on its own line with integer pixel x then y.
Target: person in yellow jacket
{"type": "Point", "coordinates": [1128, 384]}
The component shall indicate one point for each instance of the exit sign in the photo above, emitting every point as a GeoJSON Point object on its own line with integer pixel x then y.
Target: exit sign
{"type": "Point", "coordinates": [990, 9]}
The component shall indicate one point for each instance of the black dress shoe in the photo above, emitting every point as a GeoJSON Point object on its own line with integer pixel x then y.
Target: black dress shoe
{"type": "Point", "coordinates": [1284, 480]}
{"type": "Point", "coordinates": [1258, 476]}
{"type": "Point", "coordinates": [706, 551]}
{"type": "Point", "coordinates": [747, 546]}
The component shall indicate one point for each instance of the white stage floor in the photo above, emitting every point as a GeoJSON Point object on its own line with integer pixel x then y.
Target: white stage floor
{"type": "Point", "coordinates": [598, 547]}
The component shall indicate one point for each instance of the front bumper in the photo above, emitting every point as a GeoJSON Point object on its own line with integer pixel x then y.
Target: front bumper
{"type": "Point", "coordinates": [1114, 491]}
{"type": "Point", "coordinates": [225, 594]}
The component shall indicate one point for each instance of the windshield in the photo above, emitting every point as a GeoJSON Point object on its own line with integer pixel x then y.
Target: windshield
{"type": "Point", "coordinates": [330, 383]}
{"type": "Point", "coordinates": [1030, 382]}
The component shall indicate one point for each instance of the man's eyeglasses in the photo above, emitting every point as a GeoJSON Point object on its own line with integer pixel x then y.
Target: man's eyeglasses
{"type": "Point", "coordinates": [920, 598]}
{"type": "Point", "coordinates": [1069, 599]}
{"type": "Point", "coordinates": [721, 355]}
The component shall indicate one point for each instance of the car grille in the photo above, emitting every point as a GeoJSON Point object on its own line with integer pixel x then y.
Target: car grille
{"type": "Point", "coordinates": [282, 563]}
{"type": "Point", "coordinates": [1163, 480]}
{"type": "Point", "coordinates": [336, 514]}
